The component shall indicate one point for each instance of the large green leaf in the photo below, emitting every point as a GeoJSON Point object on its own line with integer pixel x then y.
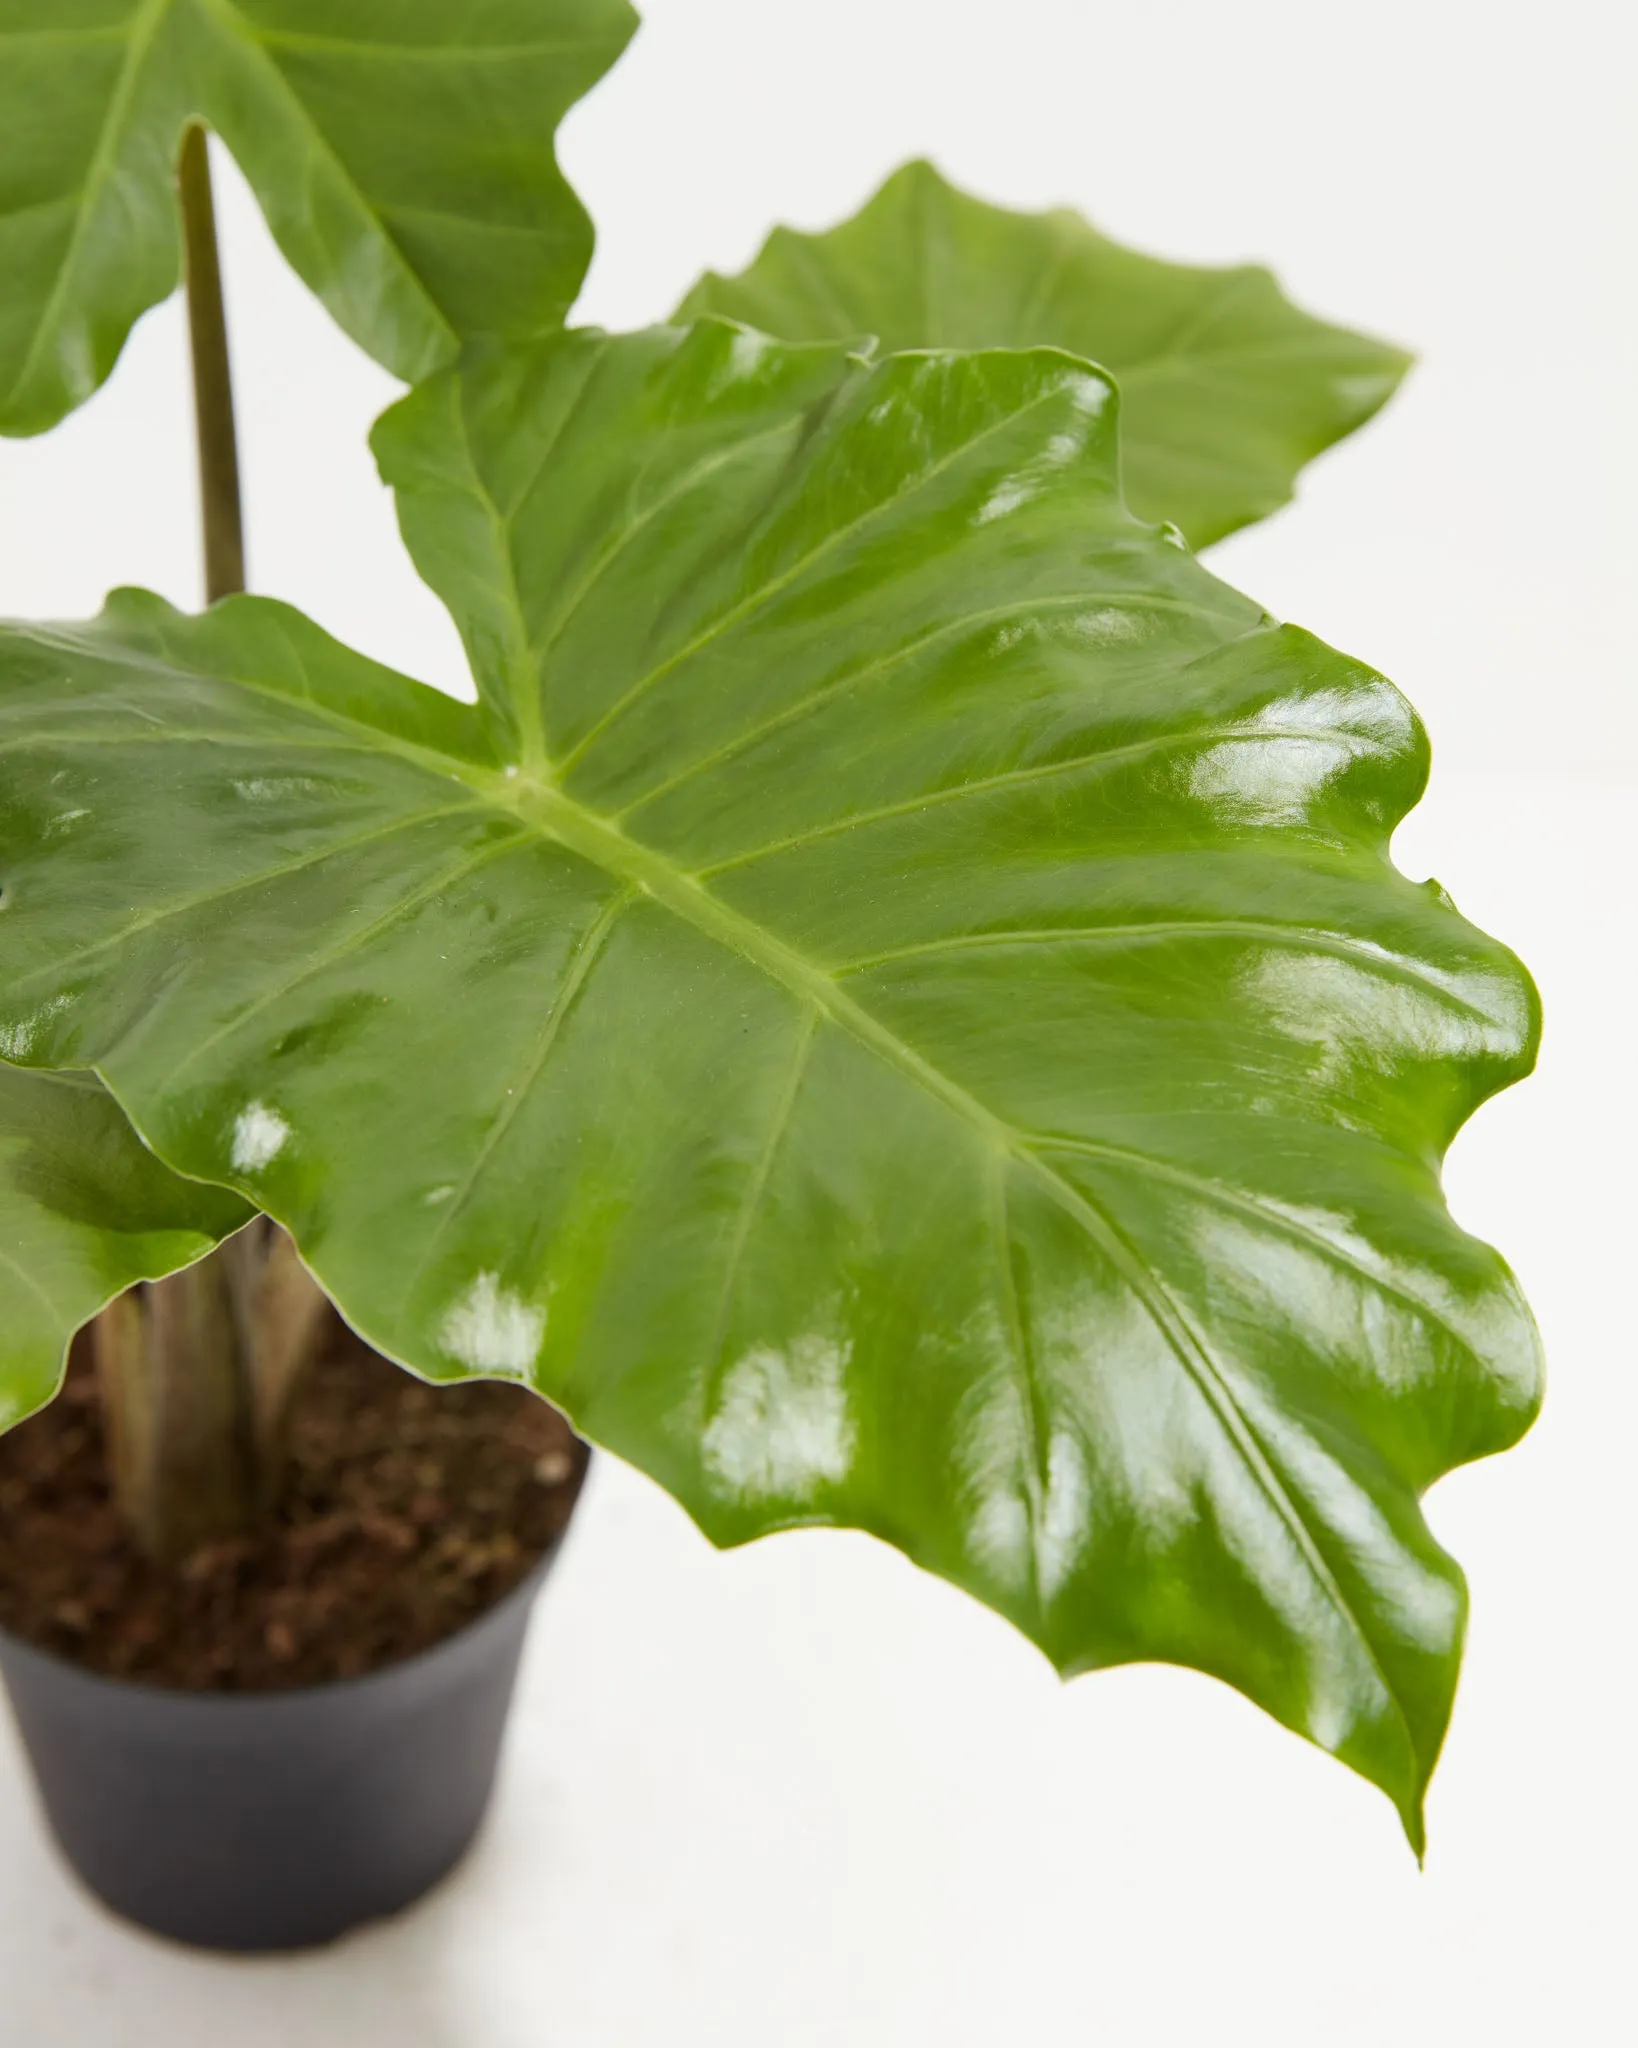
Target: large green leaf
{"type": "Point", "coordinates": [401, 149]}
{"type": "Point", "coordinates": [1229, 389]}
{"type": "Point", "coordinates": [894, 1009]}
{"type": "Point", "coordinates": [85, 1211]}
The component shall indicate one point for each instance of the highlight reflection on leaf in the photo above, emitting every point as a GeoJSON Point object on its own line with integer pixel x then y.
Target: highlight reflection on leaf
{"type": "Point", "coordinates": [983, 1087]}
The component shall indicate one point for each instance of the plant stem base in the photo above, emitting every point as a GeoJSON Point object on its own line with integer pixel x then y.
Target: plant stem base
{"type": "Point", "coordinates": [407, 1510]}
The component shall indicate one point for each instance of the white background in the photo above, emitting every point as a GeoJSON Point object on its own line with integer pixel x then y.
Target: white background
{"type": "Point", "coordinates": [802, 1795]}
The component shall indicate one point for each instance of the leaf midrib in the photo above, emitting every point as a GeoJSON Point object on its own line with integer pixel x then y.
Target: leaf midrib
{"type": "Point", "coordinates": [141, 30]}
{"type": "Point", "coordinates": [563, 820]}
{"type": "Point", "coordinates": [243, 33]}
{"type": "Point", "coordinates": [139, 34]}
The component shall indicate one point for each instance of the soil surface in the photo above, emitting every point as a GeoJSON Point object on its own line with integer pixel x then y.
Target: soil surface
{"type": "Point", "coordinates": [409, 1510]}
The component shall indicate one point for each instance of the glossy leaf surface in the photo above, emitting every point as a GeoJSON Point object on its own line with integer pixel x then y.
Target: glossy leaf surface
{"type": "Point", "coordinates": [401, 150]}
{"type": "Point", "coordinates": [894, 1010]}
{"type": "Point", "coordinates": [1227, 388]}
{"type": "Point", "coordinates": [85, 1212]}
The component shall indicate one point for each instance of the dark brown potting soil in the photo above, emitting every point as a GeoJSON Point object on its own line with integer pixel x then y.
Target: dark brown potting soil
{"type": "Point", "coordinates": [409, 1510]}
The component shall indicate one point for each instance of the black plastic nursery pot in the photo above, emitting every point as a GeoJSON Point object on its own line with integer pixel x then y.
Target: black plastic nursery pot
{"type": "Point", "coordinates": [274, 1820]}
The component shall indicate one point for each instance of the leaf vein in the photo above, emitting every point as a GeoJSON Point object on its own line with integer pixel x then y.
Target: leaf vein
{"type": "Point", "coordinates": [141, 31]}
{"type": "Point", "coordinates": [585, 956]}
{"type": "Point", "coordinates": [1026, 1372]}
{"type": "Point", "coordinates": [209, 897]}
{"type": "Point", "coordinates": [1194, 1355]}
{"type": "Point", "coordinates": [33, 1287]}
{"type": "Point", "coordinates": [1303, 937]}
{"type": "Point", "coordinates": [352, 943]}
{"type": "Point", "coordinates": [760, 598]}
{"type": "Point", "coordinates": [1013, 778]}
{"type": "Point", "coordinates": [849, 680]}
{"type": "Point", "coordinates": [542, 646]}
{"type": "Point", "coordinates": [319, 145]}
{"type": "Point", "coordinates": [756, 1188]}
{"type": "Point", "coordinates": [1253, 1205]}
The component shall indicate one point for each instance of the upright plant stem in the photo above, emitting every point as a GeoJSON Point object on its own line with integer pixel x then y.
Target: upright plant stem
{"type": "Point", "coordinates": [198, 1370]}
{"type": "Point", "coordinates": [220, 505]}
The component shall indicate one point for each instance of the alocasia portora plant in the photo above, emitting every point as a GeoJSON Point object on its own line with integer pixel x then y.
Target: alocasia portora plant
{"type": "Point", "coordinates": [893, 1008]}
